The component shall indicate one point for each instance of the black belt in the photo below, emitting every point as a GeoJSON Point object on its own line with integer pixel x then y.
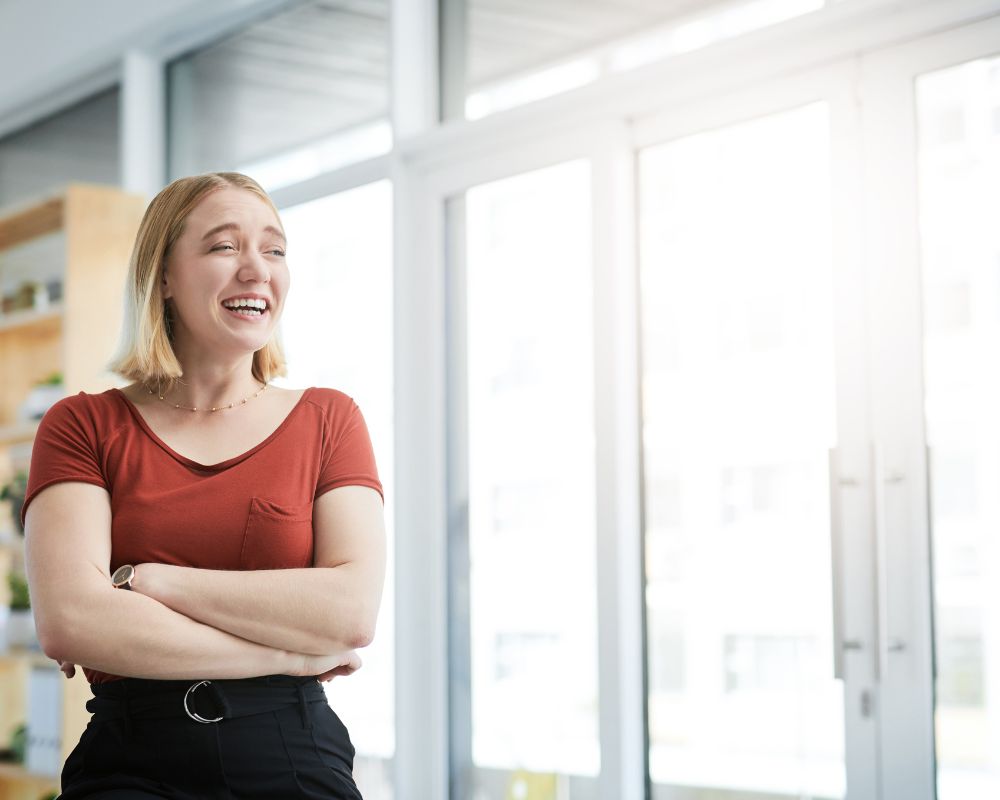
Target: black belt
{"type": "Point", "coordinates": [203, 701]}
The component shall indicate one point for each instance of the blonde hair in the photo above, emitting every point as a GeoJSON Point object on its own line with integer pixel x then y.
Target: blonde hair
{"type": "Point", "coordinates": [145, 352]}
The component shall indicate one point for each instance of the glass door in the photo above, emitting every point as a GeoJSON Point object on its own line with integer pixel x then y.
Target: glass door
{"type": "Point", "coordinates": [739, 415]}
{"type": "Point", "coordinates": [932, 130]}
{"type": "Point", "coordinates": [757, 456]}
{"type": "Point", "coordinates": [760, 581]}
{"type": "Point", "coordinates": [958, 161]}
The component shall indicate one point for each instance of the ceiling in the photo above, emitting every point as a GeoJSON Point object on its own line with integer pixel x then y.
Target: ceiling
{"type": "Point", "coordinates": [515, 36]}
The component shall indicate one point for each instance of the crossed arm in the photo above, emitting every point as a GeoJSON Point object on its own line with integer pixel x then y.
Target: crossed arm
{"type": "Point", "coordinates": [182, 621]}
{"type": "Point", "coordinates": [329, 607]}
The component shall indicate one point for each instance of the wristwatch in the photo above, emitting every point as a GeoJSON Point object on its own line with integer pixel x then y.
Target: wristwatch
{"type": "Point", "coordinates": [122, 579]}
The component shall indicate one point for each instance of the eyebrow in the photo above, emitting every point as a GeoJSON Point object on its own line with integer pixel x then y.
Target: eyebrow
{"type": "Point", "coordinates": [227, 226]}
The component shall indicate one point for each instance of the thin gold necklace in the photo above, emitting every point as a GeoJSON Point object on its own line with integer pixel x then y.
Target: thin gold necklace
{"type": "Point", "coordinates": [214, 408]}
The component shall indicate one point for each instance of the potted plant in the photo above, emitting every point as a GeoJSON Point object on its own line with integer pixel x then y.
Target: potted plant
{"type": "Point", "coordinates": [14, 491]}
{"type": "Point", "coordinates": [20, 622]}
{"type": "Point", "coordinates": [14, 751]}
{"type": "Point", "coordinates": [45, 394]}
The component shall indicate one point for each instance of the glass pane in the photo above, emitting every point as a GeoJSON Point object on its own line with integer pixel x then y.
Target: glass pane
{"type": "Point", "coordinates": [337, 332]}
{"type": "Point", "coordinates": [738, 418]}
{"type": "Point", "coordinates": [500, 54]}
{"type": "Point", "coordinates": [959, 158]}
{"type": "Point", "coordinates": [298, 93]}
{"type": "Point", "coordinates": [533, 612]}
{"type": "Point", "coordinates": [80, 143]}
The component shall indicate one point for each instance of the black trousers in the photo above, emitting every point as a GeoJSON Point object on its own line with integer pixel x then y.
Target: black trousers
{"type": "Point", "coordinates": [271, 737]}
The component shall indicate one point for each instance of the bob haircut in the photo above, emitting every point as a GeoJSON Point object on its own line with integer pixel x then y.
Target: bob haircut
{"type": "Point", "coordinates": [145, 352]}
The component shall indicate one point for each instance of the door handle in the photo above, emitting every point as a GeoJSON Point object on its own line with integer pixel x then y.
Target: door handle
{"type": "Point", "coordinates": [884, 644]}
{"type": "Point", "coordinates": [838, 483]}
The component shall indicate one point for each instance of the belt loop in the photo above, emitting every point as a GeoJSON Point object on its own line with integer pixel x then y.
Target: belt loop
{"type": "Point", "coordinates": [303, 706]}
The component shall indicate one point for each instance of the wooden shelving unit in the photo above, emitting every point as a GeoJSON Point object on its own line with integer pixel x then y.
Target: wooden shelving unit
{"type": "Point", "coordinates": [32, 319]}
{"type": "Point", "coordinates": [17, 782]}
{"type": "Point", "coordinates": [81, 237]}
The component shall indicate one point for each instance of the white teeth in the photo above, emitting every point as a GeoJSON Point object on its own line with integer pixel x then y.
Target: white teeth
{"type": "Point", "coordinates": [246, 303]}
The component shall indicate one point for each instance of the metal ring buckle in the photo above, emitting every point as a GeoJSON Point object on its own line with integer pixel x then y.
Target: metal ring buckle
{"type": "Point", "coordinates": [196, 717]}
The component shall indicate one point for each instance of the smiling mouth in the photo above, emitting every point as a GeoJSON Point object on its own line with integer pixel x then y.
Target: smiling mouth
{"type": "Point", "coordinates": [250, 307]}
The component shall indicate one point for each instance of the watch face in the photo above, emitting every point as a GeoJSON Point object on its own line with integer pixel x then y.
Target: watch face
{"type": "Point", "coordinates": [122, 575]}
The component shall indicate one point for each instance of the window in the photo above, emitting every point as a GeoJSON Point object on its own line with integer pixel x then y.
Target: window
{"type": "Point", "coordinates": [289, 97]}
{"type": "Point", "coordinates": [337, 332]}
{"type": "Point", "coordinates": [531, 616]}
{"type": "Point", "coordinates": [735, 244]}
{"type": "Point", "coordinates": [499, 54]}
{"type": "Point", "coordinates": [79, 143]}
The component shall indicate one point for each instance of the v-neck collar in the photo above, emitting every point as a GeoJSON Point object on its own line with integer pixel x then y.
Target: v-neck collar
{"type": "Point", "coordinates": [222, 464]}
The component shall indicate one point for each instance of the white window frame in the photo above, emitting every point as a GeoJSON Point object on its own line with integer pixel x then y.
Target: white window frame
{"type": "Point", "coordinates": [460, 155]}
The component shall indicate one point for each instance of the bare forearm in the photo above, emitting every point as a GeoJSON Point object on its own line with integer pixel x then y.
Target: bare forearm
{"type": "Point", "coordinates": [125, 633]}
{"type": "Point", "coordinates": [312, 610]}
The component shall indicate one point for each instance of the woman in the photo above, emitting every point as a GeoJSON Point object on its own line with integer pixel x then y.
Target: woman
{"type": "Point", "coordinates": [209, 547]}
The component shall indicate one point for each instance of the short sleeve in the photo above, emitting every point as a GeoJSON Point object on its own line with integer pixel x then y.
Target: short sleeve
{"type": "Point", "coordinates": [348, 457]}
{"type": "Point", "coordinates": [64, 449]}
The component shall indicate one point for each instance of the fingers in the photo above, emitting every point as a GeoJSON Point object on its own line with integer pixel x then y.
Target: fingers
{"type": "Point", "coordinates": [343, 669]}
{"type": "Point", "coordinates": [350, 663]}
{"type": "Point", "coordinates": [68, 668]}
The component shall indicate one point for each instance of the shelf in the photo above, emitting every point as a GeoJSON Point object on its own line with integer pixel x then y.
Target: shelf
{"type": "Point", "coordinates": [30, 222]}
{"type": "Point", "coordinates": [36, 658]}
{"type": "Point", "coordinates": [28, 318]}
{"type": "Point", "coordinates": [14, 771]}
{"type": "Point", "coordinates": [18, 432]}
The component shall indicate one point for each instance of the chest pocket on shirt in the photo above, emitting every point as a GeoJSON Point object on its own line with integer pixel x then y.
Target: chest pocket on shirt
{"type": "Point", "coordinates": [277, 536]}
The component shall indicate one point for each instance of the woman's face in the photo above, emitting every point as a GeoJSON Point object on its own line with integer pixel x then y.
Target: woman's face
{"type": "Point", "coordinates": [207, 268]}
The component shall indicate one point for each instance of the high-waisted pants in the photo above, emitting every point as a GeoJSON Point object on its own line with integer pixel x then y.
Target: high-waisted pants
{"type": "Point", "coordinates": [272, 737]}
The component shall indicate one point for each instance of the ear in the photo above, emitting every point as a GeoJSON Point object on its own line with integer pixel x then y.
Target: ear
{"type": "Point", "coordinates": [163, 283]}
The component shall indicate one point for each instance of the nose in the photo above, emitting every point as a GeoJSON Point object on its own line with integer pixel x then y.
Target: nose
{"type": "Point", "coordinates": [254, 267]}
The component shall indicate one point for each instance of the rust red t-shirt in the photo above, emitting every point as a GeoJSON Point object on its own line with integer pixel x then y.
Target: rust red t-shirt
{"type": "Point", "coordinates": [253, 511]}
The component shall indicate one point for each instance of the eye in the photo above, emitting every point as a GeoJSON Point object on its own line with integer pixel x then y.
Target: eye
{"type": "Point", "coordinates": [278, 251]}
{"type": "Point", "coordinates": [220, 246]}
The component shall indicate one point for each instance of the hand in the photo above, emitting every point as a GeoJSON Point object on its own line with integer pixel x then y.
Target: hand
{"type": "Point", "coordinates": [142, 580]}
{"type": "Point", "coordinates": [326, 668]}
{"type": "Point", "coordinates": [343, 669]}
{"type": "Point", "coordinates": [67, 667]}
